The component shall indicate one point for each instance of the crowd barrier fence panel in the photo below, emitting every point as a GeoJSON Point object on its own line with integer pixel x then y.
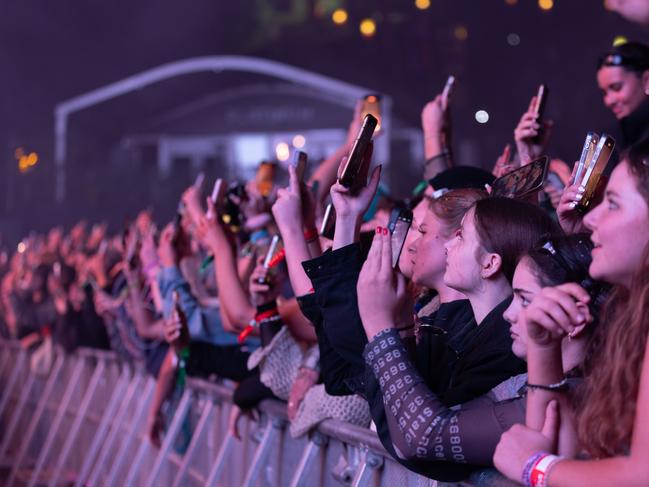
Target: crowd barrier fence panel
{"type": "Point", "coordinates": [84, 423]}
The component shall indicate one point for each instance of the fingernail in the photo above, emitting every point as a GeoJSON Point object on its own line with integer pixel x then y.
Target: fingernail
{"type": "Point", "coordinates": [582, 188]}
{"type": "Point", "coordinates": [572, 205]}
{"type": "Point", "coordinates": [378, 229]}
{"type": "Point", "coordinates": [385, 231]}
{"type": "Point", "coordinates": [580, 318]}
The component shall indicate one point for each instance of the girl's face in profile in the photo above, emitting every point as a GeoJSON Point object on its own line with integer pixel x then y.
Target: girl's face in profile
{"type": "Point", "coordinates": [525, 286]}
{"type": "Point", "coordinates": [462, 257]}
{"type": "Point", "coordinates": [410, 245]}
{"type": "Point", "coordinates": [620, 226]}
{"type": "Point", "coordinates": [428, 252]}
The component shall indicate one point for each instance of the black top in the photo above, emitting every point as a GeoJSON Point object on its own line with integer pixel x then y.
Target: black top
{"type": "Point", "coordinates": [635, 127]}
{"type": "Point", "coordinates": [459, 359]}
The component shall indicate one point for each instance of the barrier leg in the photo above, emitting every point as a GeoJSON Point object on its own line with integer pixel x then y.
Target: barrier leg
{"type": "Point", "coordinates": [202, 422]}
{"type": "Point", "coordinates": [76, 425]}
{"type": "Point", "coordinates": [138, 418]}
{"type": "Point", "coordinates": [102, 429]}
{"type": "Point", "coordinates": [273, 428]}
{"type": "Point", "coordinates": [58, 419]}
{"type": "Point", "coordinates": [370, 464]}
{"type": "Point", "coordinates": [13, 378]}
{"type": "Point", "coordinates": [177, 421]}
{"type": "Point", "coordinates": [93, 479]}
{"type": "Point", "coordinates": [18, 413]}
{"type": "Point", "coordinates": [40, 408]}
{"type": "Point", "coordinates": [312, 450]}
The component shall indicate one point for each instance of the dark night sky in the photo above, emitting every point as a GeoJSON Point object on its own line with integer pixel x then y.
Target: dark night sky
{"type": "Point", "coordinates": [51, 51]}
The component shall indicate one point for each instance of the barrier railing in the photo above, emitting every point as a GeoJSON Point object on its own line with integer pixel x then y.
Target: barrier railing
{"type": "Point", "coordinates": [84, 423]}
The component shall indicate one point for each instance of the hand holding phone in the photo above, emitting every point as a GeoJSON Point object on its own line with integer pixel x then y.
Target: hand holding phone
{"type": "Point", "coordinates": [448, 91]}
{"type": "Point", "coordinates": [523, 181]}
{"type": "Point", "coordinates": [216, 198]}
{"type": "Point", "coordinates": [593, 173]}
{"type": "Point", "coordinates": [351, 174]}
{"type": "Point", "coordinates": [271, 254]}
{"type": "Point", "coordinates": [300, 161]}
{"type": "Point", "coordinates": [400, 222]}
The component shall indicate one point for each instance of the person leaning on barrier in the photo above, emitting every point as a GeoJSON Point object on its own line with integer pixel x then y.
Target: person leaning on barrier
{"type": "Point", "coordinates": [612, 422]}
{"type": "Point", "coordinates": [421, 426]}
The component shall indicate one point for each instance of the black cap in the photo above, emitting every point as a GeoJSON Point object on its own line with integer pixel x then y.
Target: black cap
{"type": "Point", "coordinates": [462, 177]}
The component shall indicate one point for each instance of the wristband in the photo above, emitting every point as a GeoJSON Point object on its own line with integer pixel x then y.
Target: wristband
{"type": "Point", "coordinates": [560, 386]}
{"type": "Point", "coordinates": [182, 357]}
{"type": "Point", "coordinates": [442, 155]}
{"type": "Point", "coordinates": [537, 469]}
{"type": "Point", "coordinates": [311, 235]}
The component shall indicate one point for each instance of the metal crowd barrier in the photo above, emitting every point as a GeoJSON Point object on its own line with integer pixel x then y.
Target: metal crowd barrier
{"type": "Point", "coordinates": [83, 423]}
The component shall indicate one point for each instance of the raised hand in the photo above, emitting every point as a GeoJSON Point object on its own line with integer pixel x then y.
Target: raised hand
{"type": "Point", "coordinates": [266, 292]}
{"type": "Point", "coordinates": [570, 219]}
{"type": "Point", "coordinates": [527, 129]}
{"type": "Point", "coordinates": [556, 312]}
{"type": "Point", "coordinates": [379, 289]}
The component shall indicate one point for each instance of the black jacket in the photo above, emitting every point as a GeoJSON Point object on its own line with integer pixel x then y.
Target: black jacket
{"type": "Point", "coordinates": [460, 361]}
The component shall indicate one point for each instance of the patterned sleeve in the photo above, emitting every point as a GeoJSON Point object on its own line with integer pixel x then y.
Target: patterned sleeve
{"type": "Point", "coordinates": [421, 426]}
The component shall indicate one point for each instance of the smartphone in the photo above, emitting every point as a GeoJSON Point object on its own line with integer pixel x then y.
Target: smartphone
{"type": "Point", "coordinates": [523, 181]}
{"type": "Point", "coordinates": [587, 151]}
{"type": "Point", "coordinates": [595, 170]}
{"type": "Point", "coordinates": [299, 161]}
{"type": "Point", "coordinates": [372, 106]}
{"type": "Point", "coordinates": [198, 182]}
{"type": "Point", "coordinates": [354, 161]}
{"type": "Point", "coordinates": [448, 88]}
{"type": "Point", "coordinates": [539, 109]}
{"type": "Point", "coordinates": [270, 253]}
{"type": "Point", "coordinates": [315, 186]}
{"type": "Point", "coordinates": [265, 178]}
{"type": "Point", "coordinates": [400, 221]}
{"type": "Point", "coordinates": [218, 191]}
{"type": "Point", "coordinates": [328, 226]}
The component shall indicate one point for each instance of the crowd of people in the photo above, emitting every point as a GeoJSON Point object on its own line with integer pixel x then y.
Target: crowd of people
{"type": "Point", "coordinates": [509, 340]}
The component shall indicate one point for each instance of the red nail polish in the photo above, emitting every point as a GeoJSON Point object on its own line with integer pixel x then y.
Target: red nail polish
{"type": "Point", "coordinates": [378, 230]}
{"type": "Point", "coordinates": [385, 231]}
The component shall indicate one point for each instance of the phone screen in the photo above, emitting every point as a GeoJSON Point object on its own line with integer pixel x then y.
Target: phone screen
{"type": "Point", "coordinates": [587, 152]}
{"type": "Point", "coordinates": [596, 168]}
{"type": "Point", "coordinates": [522, 181]}
{"type": "Point", "coordinates": [354, 162]}
{"type": "Point", "coordinates": [300, 159]}
{"type": "Point", "coordinates": [372, 106]}
{"type": "Point", "coordinates": [400, 221]}
{"type": "Point", "coordinates": [328, 222]}
{"type": "Point", "coordinates": [541, 100]}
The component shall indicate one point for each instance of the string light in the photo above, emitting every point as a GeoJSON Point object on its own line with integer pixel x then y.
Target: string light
{"type": "Point", "coordinates": [546, 4]}
{"type": "Point", "coordinates": [461, 33]}
{"type": "Point", "coordinates": [339, 16]}
{"type": "Point", "coordinates": [299, 141]}
{"type": "Point", "coordinates": [367, 27]}
{"type": "Point", "coordinates": [619, 40]}
{"type": "Point", "coordinates": [422, 4]}
{"type": "Point", "coordinates": [481, 116]}
{"type": "Point", "coordinates": [282, 151]}
{"type": "Point", "coordinates": [513, 39]}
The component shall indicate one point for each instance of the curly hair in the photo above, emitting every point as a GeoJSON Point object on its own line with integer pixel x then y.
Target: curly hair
{"type": "Point", "coordinates": [614, 362]}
